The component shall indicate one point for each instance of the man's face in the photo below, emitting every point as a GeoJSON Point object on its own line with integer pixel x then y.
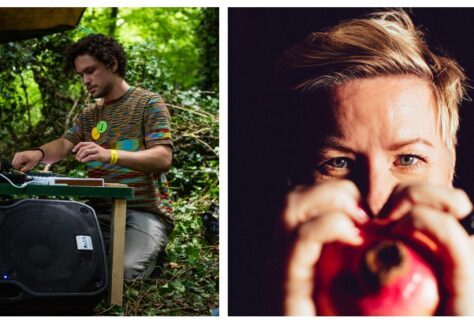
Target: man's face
{"type": "Point", "coordinates": [97, 78]}
{"type": "Point", "coordinates": [384, 132]}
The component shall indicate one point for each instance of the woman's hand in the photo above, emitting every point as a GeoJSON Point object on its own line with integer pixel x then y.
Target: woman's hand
{"type": "Point", "coordinates": [329, 212]}
{"type": "Point", "coordinates": [436, 211]}
{"type": "Point", "coordinates": [316, 215]}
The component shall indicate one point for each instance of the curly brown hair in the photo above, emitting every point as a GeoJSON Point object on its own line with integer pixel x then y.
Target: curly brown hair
{"type": "Point", "coordinates": [103, 48]}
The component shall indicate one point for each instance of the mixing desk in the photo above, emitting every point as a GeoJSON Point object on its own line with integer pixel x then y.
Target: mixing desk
{"type": "Point", "coordinates": [49, 178]}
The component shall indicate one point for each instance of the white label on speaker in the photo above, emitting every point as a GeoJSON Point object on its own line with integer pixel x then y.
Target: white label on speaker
{"type": "Point", "coordinates": [84, 242]}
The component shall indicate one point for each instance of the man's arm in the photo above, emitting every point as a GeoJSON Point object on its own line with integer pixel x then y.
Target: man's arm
{"type": "Point", "coordinates": [153, 160]}
{"type": "Point", "coordinates": [54, 151]}
{"type": "Point", "coordinates": [156, 159]}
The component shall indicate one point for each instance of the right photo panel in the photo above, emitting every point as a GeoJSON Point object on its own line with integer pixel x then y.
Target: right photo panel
{"type": "Point", "coordinates": [350, 161]}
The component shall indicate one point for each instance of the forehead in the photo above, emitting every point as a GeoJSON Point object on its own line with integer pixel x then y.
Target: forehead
{"type": "Point", "coordinates": [84, 61]}
{"type": "Point", "coordinates": [395, 89]}
{"type": "Point", "coordinates": [386, 108]}
{"type": "Point", "coordinates": [400, 101]}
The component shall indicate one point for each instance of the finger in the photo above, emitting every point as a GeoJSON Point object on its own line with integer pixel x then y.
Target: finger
{"type": "Point", "coordinates": [28, 166]}
{"type": "Point", "coordinates": [80, 145]}
{"type": "Point", "coordinates": [312, 235]}
{"type": "Point", "coordinates": [16, 162]}
{"type": "Point", "coordinates": [77, 147]}
{"type": "Point", "coordinates": [456, 254]}
{"type": "Point", "coordinates": [80, 154]}
{"type": "Point", "coordinates": [19, 160]}
{"type": "Point", "coordinates": [450, 200]}
{"type": "Point", "coordinates": [303, 205]}
{"type": "Point", "coordinates": [444, 229]}
{"type": "Point", "coordinates": [91, 157]}
{"type": "Point", "coordinates": [85, 151]}
{"type": "Point", "coordinates": [335, 226]}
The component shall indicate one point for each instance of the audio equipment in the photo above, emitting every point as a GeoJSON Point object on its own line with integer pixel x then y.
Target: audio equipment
{"type": "Point", "coordinates": [15, 177]}
{"type": "Point", "coordinates": [52, 258]}
{"type": "Point", "coordinates": [48, 179]}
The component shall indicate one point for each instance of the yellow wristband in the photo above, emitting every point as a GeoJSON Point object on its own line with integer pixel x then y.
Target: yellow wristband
{"type": "Point", "coordinates": [113, 156]}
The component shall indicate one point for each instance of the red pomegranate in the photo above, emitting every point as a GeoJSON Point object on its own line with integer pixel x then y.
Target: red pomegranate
{"type": "Point", "coordinates": [385, 276]}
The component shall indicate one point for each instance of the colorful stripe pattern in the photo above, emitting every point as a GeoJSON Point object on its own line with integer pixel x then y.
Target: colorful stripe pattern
{"type": "Point", "coordinates": [137, 121]}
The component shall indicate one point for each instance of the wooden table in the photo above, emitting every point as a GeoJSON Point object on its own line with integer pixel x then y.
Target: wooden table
{"type": "Point", "coordinates": [119, 194]}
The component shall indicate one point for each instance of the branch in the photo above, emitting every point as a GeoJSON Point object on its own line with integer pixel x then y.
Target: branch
{"type": "Point", "coordinates": [69, 115]}
{"type": "Point", "coordinates": [204, 114]}
{"type": "Point", "coordinates": [23, 86]}
{"type": "Point", "coordinates": [202, 142]}
{"type": "Point", "coordinates": [63, 96]}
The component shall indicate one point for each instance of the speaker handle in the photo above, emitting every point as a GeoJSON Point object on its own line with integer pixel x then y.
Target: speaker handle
{"type": "Point", "coordinates": [10, 292]}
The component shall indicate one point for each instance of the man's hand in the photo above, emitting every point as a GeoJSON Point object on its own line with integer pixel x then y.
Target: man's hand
{"type": "Point", "coordinates": [53, 151]}
{"type": "Point", "coordinates": [156, 159]}
{"type": "Point", "coordinates": [89, 151]}
{"type": "Point", "coordinates": [436, 211]}
{"type": "Point", "coordinates": [317, 215]}
{"type": "Point", "coordinates": [26, 160]}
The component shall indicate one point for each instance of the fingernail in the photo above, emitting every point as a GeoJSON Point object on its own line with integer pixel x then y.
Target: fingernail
{"type": "Point", "coordinates": [361, 214]}
{"type": "Point", "coordinates": [357, 238]}
{"type": "Point", "coordinates": [356, 231]}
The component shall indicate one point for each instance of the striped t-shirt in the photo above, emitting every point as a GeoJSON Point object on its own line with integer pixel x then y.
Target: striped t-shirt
{"type": "Point", "coordinates": [137, 121]}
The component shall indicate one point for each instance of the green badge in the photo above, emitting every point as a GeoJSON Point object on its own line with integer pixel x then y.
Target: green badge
{"type": "Point", "coordinates": [102, 126]}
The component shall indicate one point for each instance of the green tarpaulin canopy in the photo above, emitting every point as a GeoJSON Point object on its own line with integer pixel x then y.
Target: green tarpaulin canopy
{"type": "Point", "coordinates": [22, 23]}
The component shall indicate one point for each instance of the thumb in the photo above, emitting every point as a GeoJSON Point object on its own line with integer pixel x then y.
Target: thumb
{"type": "Point", "coordinates": [28, 166]}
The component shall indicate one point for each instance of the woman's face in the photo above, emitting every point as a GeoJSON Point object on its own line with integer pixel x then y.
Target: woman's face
{"type": "Point", "coordinates": [385, 133]}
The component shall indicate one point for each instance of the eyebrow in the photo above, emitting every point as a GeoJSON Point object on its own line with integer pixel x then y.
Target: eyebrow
{"type": "Point", "coordinates": [401, 144]}
{"type": "Point", "coordinates": [86, 68]}
{"type": "Point", "coordinates": [335, 144]}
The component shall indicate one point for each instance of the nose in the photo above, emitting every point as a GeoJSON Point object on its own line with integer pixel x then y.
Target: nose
{"type": "Point", "coordinates": [86, 79]}
{"type": "Point", "coordinates": [376, 184]}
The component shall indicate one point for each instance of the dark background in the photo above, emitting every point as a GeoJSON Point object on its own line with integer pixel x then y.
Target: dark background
{"type": "Point", "coordinates": [258, 126]}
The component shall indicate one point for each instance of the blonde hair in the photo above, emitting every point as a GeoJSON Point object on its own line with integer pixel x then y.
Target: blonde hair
{"type": "Point", "coordinates": [383, 43]}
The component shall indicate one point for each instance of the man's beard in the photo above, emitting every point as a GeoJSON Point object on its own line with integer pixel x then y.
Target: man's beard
{"type": "Point", "coordinates": [102, 93]}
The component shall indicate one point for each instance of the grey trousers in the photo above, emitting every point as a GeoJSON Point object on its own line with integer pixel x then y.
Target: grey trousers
{"type": "Point", "coordinates": [145, 237]}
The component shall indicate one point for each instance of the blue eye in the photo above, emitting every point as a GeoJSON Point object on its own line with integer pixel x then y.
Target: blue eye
{"type": "Point", "coordinates": [408, 160]}
{"type": "Point", "coordinates": [337, 167]}
{"type": "Point", "coordinates": [338, 163]}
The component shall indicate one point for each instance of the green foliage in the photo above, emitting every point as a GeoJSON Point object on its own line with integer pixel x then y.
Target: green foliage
{"type": "Point", "coordinates": [208, 33]}
{"type": "Point", "coordinates": [173, 36]}
{"type": "Point", "coordinates": [196, 129]}
{"type": "Point", "coordinates": [189, 277]}
{"type": "Point", "coordinates": [166, 54]}
{"type": "Point", "coordinates": [38, 102]}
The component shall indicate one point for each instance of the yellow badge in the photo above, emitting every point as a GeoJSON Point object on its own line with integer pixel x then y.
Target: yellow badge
{"type": "Point", "coordinates": [95, 134]}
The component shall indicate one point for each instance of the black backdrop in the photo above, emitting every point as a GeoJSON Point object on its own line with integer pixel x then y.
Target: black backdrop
{"type": "Point", "coordinates": [258, 128]}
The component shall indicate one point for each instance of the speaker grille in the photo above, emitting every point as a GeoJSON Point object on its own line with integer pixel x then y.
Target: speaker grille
{"type": "Point", "coordinates": [38, 247]}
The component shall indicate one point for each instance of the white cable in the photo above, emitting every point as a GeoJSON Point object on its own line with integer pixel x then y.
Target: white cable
{"type": "Point", "coordinates": [14, 185]}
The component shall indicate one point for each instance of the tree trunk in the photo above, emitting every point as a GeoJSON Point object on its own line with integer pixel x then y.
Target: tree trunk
{"type": "Point", "coordinates": [113, 21]}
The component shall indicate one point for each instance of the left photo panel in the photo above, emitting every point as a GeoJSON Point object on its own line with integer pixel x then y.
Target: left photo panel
{"type": "Point", "coordinates": [109, 161]}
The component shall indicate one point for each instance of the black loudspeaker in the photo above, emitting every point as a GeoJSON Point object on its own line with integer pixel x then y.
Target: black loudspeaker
{"type": "Point", "coordinates": [52, 258]}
